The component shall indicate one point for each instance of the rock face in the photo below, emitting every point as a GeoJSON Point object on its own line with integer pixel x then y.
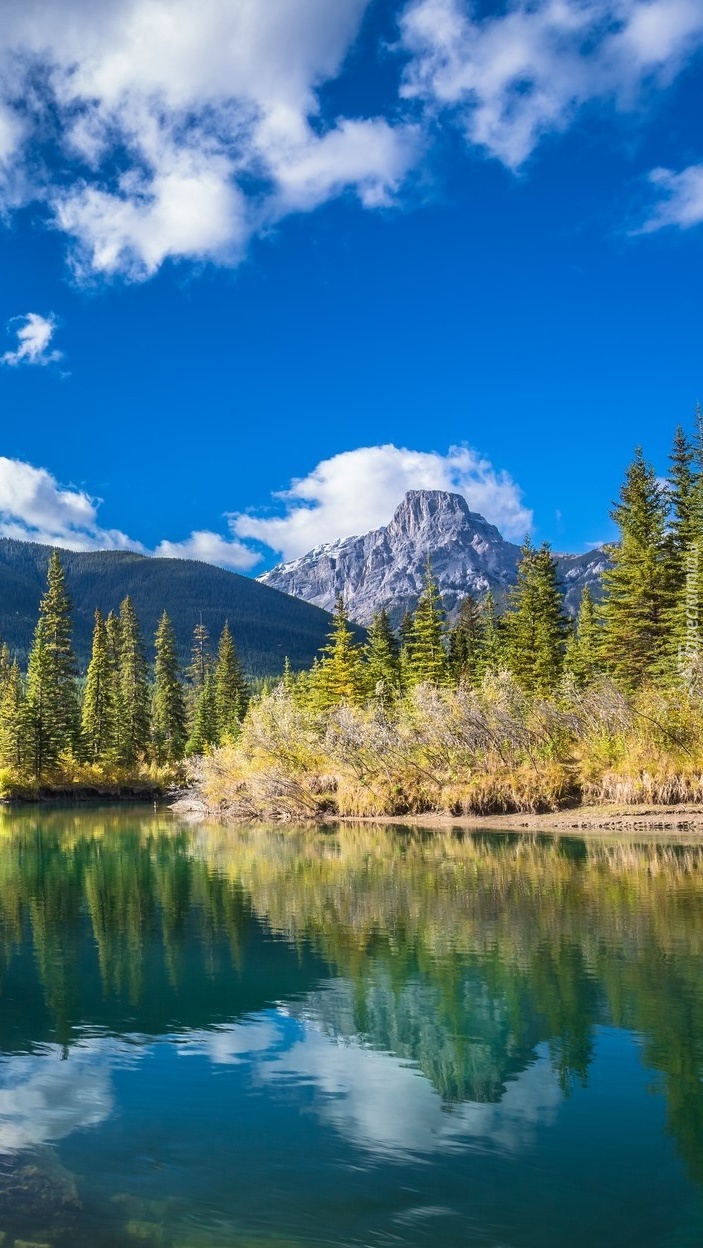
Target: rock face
{"type": "Point", "coordinates": [385, 568]}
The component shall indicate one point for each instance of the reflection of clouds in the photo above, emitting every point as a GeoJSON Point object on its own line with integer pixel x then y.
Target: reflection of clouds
{"type": "Point", "coordinates": [232, 1043]}
{"type": "Point", "coordinates": [385, 1105]}
{"type": "Point", "coordinates": [374, 1099]}
{"type": "Point", "coordinates": [43, 1098]}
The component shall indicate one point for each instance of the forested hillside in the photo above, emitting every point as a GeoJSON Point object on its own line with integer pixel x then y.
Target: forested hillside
{"type": "Point", "coordinates": [267, 625]}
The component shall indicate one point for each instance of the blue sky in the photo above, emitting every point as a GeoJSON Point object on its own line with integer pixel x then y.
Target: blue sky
{"type": "Point", "coordinates": [268, 263]}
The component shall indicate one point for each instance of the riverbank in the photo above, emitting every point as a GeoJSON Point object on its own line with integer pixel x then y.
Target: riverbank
{"type": "Point", "coordinates": [583, 818]}
{"type": "Point", "coordinates": [48, 793]}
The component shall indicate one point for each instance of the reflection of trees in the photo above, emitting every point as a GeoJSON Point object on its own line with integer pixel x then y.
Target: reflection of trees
{"type": "Point", "coordinates": [458, 953]}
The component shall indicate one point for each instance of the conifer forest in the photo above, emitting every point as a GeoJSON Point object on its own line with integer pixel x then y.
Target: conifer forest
{"type": "Point", "coordinates": [515, 706]}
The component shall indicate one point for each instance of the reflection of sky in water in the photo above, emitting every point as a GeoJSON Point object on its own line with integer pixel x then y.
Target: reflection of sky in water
{"type": "Point", "coordinates": [377, 1102]}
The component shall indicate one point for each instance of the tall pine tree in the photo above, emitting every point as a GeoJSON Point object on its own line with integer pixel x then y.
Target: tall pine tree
{"type": "Point", "coordinates": [13, 721]}
{"type": "Point", "coordinates": [382, 655]}
{"type": "Point", "coordinates": [134, 696]}
{"type": "Point", "coordinates": [52, 698]}
{"type": "Point", "coordinates": [466, 642]}
{"type": "Point", "coordinates": [99, 721]}
{"type": "Point", "coordinates": [634, 611]}
{"type": "Point", "coordinates": [535, 625]}
{"type": "Point", "coordinates": [232, 693]}
{"type": "Point", "coordinates": [168, 704]}
{"type": "Point", "coordinates": [426, 653]}
{"type": "Point", "coordinates": [340, 676]}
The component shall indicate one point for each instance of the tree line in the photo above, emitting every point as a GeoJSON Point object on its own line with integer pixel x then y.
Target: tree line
{"type": "Point", "coordinates": [119, 715]}
{"type": "Point", "coordinates": [641, 630]}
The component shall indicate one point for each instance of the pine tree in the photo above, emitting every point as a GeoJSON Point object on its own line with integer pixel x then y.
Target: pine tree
{"type": "Point", "coordinates": [5, 665]}
{"type": "Point", "coordinates": [466, 642]}
{"type": "Point", "coordinates": [13, 726]}
{"type": "Point", "coordinates": [205, 732]}
{"type": "Point", "coordinates": [340, 676]}
{"type": "Point", "coordinates": [200, 657]}
{"type": "Point", "coordinates": [168, 705]}
{"type": "Point", "coordinates": [582, 658]}
{"type": "Point", "coordinates": [684, 554]}
{"type": "Point", "coordinates": [535, 625]}
{"type": "Point", "coordinates": [113, 640]}
{"type": "Point", "coordinates": [636, 586]}
{"type": "Point", "coordinates": [133, 699]}
{"type": "Point", "coordinates": [232, 693]}
{"type": "Point", "coordinates": [427, 657]}
{"type": "Point", "coordinates": [52, 700]}
{"type": "Point", "coordinates": [98, 719]}
{"type": "Point", "coordinates": [382, 655]}
{"type": "Point", "coordinates": [490, 658]}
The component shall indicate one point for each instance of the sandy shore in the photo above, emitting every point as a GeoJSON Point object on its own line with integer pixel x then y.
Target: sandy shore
{"type": "Point", "coordinates": [607, 819]}
{"type": "Point", "coordinates": [687, 819]}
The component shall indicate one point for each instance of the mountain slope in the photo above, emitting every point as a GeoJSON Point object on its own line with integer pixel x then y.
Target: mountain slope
{"type": "Point", "coordinates": [385, 568]}
{"type": "Point", "coordinates": [267, 625]}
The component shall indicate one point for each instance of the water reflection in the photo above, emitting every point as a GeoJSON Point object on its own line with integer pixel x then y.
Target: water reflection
{"type": "Point", "coordinates": [414, 997]}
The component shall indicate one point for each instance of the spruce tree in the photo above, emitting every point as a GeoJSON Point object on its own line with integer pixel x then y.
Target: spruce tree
{"type": "Point", "coordinates": [684, 555]}
{"type": "Point", "coordinates": [427, 657]}
{"type": "Point", "coordinates": [168, 704]}
{"type": "Point", "coordinates": [133, 699]}
{"type": "Point", "coordinates": [535, 625]}
{"type": "Point", "coordinates": [200, 657]}
{"type": "Point", "coordinates": [232, 693]}
{"type": "Point", "coordinates": [582, 657]}
{"type": "Point", "coordinates": [490, 657]}
{"type": "Point", "coordinates": [52, 699]}
{"type": "Point", "coordinates": [466, 642]}
{"type": "Point", "coordinates": [382, 656]}
{"type": "Point", "coordinates": [205, 732]}
{"type": "Point", "coordinates": [98, 719]}
{"type": "Point", "coordinates": [634, 610]}
{"type": "Point", "coordinates": [13, 726]}
{"type": "Point", "coordinates": [340, 676]}
{"type": "Point", "coordinates": [6, 665]}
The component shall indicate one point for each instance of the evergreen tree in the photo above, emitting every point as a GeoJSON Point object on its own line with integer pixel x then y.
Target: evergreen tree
{"type": "Point", "coordinates": [535, 625]}
{"type": "Point", "coordinates": [490, 658]}
{"type": "Point", "coordinates": [636, 586]}
{"type": "Point", "coordinates": [200, 657]}
{"type": "Point", "coordinates": [205, 732]}
{"type": "Point", "coordinates": [13, 726]}
{"type": "Point", "coordinates": [232, 693]}
{"type": "Point", "coordinates": [382, 655]}
{"type": "Point", "coordinates": [684, 554]}
{"type": "Point", "coordinates": [113, 640]}
{"type": "Point", "coordinates": [133, 698]}
{"type": "Point", "coordinates": [52, 700]}
{"type": "Point", "coordinates": [427, 657]}
{"type": "Point", "coordinates": [98, 718]}
{"type": "Point", "coordinates": [466, 642]}
{"type": "Point", "coordinates": [582, 658]}
{"type": "Point", "coordinates": [168, 705]}
{"type": "Point", "coordinates": [340, 676]}
{"type": "Point", "coordinates": [5, 665]}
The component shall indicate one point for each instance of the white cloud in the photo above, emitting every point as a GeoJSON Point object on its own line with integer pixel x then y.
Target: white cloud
{"type": "Point", "coordinates": [34, 334]}
{"type": "Point", "coordinates": [210, 548]}
{"type": "Point", "coordinates": [359, 490]}
{"type": "Point", "coordinates": [681, 199]}
{"type": "Point", "coordinates": [35, 508]}
{"type": "Point", "coordinates": [526, 72]}
{"type": "Point", "coordinates": [183, 129]}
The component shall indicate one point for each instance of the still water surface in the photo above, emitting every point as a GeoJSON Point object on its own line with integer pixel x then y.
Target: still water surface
{"type": "Point", "coordinates": [355, 1036]}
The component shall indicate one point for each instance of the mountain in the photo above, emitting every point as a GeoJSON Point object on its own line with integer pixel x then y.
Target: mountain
{"type": "Point", "coordinates": [385, 568]}
{"type": "Point", "coordinates": [267, 625]}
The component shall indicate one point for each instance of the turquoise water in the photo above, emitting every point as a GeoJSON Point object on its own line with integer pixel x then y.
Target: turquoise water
{"type": "Point", "coordinates": [354, 1036]}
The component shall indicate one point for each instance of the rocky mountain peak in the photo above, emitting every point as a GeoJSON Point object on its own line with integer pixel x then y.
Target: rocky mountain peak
{"type": "Point", "coordinates": [386, 567]}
